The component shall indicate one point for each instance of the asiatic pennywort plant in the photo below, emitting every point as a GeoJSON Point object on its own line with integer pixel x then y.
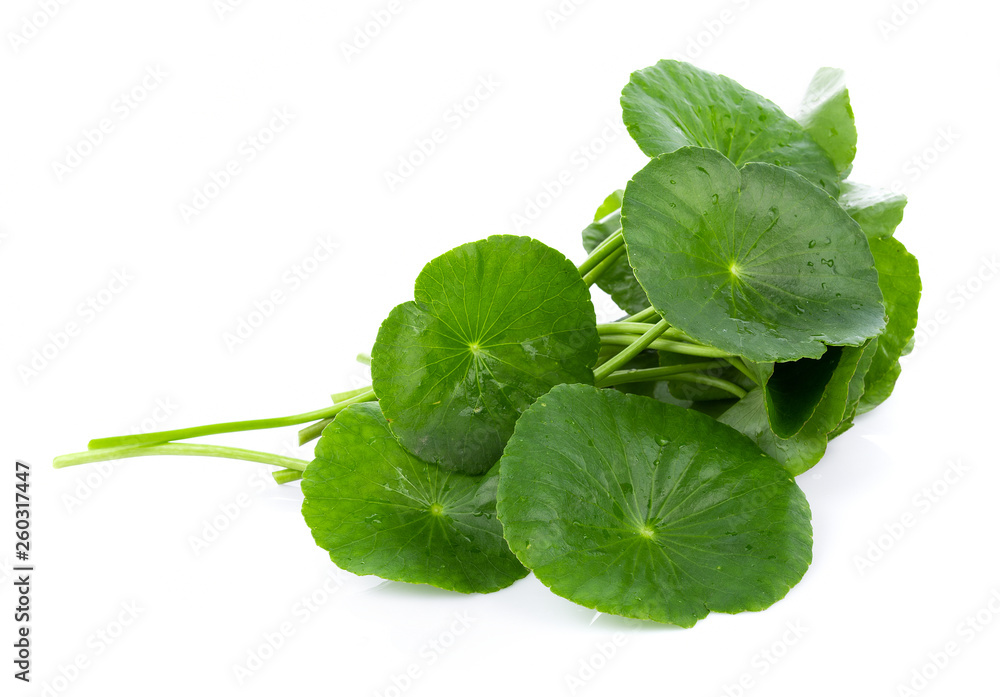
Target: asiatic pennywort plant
{"type": "Point", "coordinates": [643, 467]}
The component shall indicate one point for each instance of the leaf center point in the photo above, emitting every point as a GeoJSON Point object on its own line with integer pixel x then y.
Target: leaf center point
{"type": "Point", "coordinates": [437, 509]}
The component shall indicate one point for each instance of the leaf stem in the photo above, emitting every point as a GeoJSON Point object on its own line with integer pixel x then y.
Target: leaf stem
{"type": "Point", "coordinates": [666, 345]}
{"type": "Point", "coordinates": [639, 328]}
{"type": "Point", "coordinates": [634, 349]}
{"type": "Point", "coordinates": [229, 427]}
{"type": "Point", "coordinates": [590, 278]}
{"type": "Point", "coordinates": [613, 242]}
{"type": "Point", "coordinates": [733, 389]}
{"type": "Point", "coordinates": [287, 475]}
{"type": "Point", "coordinates": [742, 367]}
{"type": "Point", "coordinates": [313, 431]}
{"type": "Point", "coordinates": [643, 315]}
{"type": "Point", "coordinates": [190, 449]}
{"type": "Point", "coordinates": [338, 397]}
{"type": "Point", "coordinates": [623, 377]}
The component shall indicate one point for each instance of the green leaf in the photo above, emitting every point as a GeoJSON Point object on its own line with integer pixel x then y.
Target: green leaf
{"type": "Point", "coordinates": [617, 280]}
{"type": "Point", "coordinates": [797, 454]}
{"type": "Point", "coordinates": [494, 325]}
{"type": "Point", "coordinates": [381, 511]}
{"type": "Point", "coordinates": [833, 407]}
{"type": "Point", "coordinates": [899, 279]}
{"type": "Point", "coordinates": [673, 104]}
{"type": "Point", "coordinates": [827, 116]}
{"type": "Point", "coordinates": [800, 451]}
{"type": "Point", "coordinates": [755, 261]}
{"type": "Point", "coordinates": [794, 390]}
{"type": "Point", "coordinates": [611, 204]}
{"type": "Point", "coordinates": [878, 211]}
{"type": "Point", "coordinates": [638, 508]}
{"type": "Point", "coordinates": [856, 389]}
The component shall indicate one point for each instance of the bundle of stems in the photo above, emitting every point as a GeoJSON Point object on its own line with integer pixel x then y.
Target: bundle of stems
{"type": "Point", "coordinates": [621, 342]}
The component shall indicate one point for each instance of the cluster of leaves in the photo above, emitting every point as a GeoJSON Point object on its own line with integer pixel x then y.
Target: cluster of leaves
{"type": "Point", "coordinates": [642, 467]}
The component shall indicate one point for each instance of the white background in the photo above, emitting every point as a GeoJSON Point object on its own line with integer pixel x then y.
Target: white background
{"type": "Point", "coordinates": [157, 349]}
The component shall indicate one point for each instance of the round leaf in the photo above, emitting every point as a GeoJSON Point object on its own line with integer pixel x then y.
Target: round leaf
{"type": "Point", "coordinates": [638, 508]}
{"type": "Point", "coordinates": [494, 325]}
{"type": "Point", "coordinates": [379, 510]}
{"type": "Point", "coordinates": [674, 104]}
{"type": "Point", "coordinates": [755, 261]}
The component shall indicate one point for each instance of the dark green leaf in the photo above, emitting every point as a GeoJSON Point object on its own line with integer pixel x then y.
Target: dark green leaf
{"type": "Point", "coordinates": [751, 415]}
{"type": "Point", "coordinates": [494, 324]}
{"type": "Point", "coordinates": [379, 510]}
{"type": "Point", "coordinates": [796, 454]}
{"type": "Point", "coordinates": [794, 390]}
{"type": "Point", "coordinates": [856, 389]}
{"type": "Point", "coordinates": [756, 261]}
{"type": "Point", "coordinates": [638, 508]}
{"type": "Point", "coordinates": [674, 104]}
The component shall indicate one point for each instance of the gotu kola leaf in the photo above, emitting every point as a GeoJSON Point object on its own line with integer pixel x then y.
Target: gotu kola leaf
{"type": "Point", "coordinates": [638, 508]}
{"type": "Point", "coordinates": [493, 325]}
{"type": "Point", "coordinates": [611, 204]}
{"type": "Point", "coordinates": [798, 452]}
{"type": "Point", "coordinates": [827, 116]}
{"type": "Point", "coordinates": [674, 104]}
{"type": "Point", "coordinates": [755, 261]}
{"type": "Point", "coordinates": [878, 211]}
{"type": "Point", "coordinates": [899, 279]}
{"type": "Point", "coordinates": [379, 510]}
{"type": "Point", "coordinates": [794, 390]}
{"type": "Point", "coordinates": [662, 116]}
{"type": "Point", "coordinates": [856, 389]}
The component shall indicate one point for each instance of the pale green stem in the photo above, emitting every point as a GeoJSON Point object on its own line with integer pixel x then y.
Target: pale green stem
{"type": "Point", "coordinates": [188, 449]}
{"type": "Point", "coordinates": [230, 427]}
{"type": "Point", "coordinates": [634, 349]}
{"type": "Point", "coordinates": [623, 377]}
{"type": "Point", "coordinates": [667, 345]}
